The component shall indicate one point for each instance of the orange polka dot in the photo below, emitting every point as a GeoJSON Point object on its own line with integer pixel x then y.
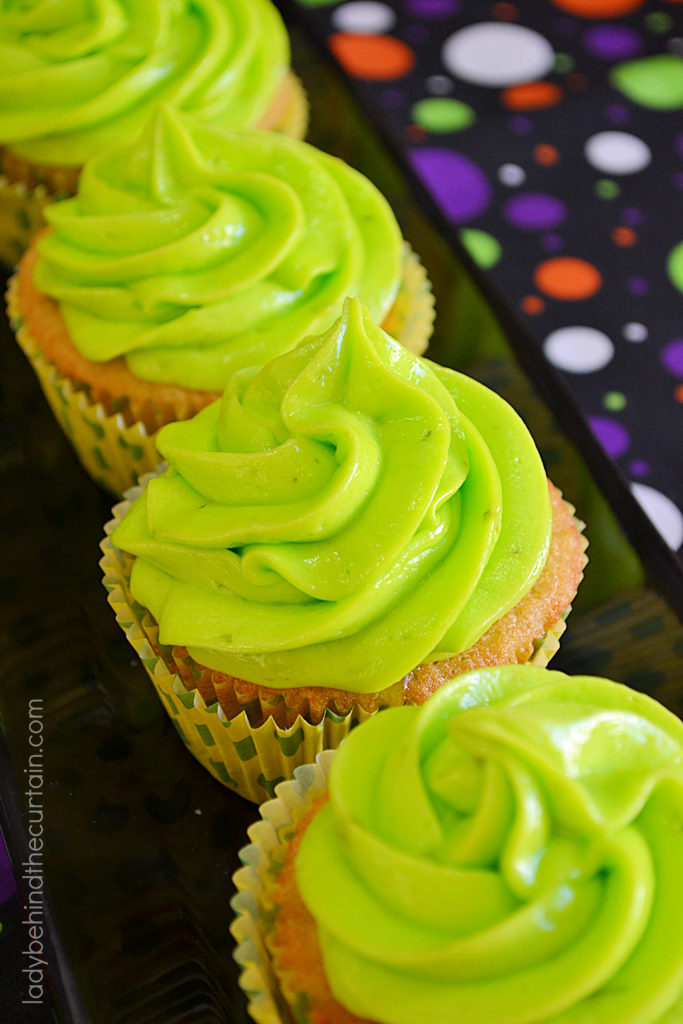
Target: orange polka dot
{"type": "Point", "coordinates": [566, 277]}
{"type": "Point", "coordinates": [372, 56]}
{"type": "Point", "coordinates": [532, 304]}
{"type": "Point", "coordinates": [532, 96]}
{"type": "Point", "coordinates": [545, 154]}
{"type": "Point", "coordinates": [506, 12]}
{"type": "Point", "coordinates": [599, 8]}
{"type": "Point", "coordinates": [679, 393]}
{"type": "Point", "coordinates": [624, 236]}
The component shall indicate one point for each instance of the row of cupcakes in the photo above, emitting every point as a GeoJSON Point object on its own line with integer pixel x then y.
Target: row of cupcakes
{"type": "Point", "coordinates": [342, 525]}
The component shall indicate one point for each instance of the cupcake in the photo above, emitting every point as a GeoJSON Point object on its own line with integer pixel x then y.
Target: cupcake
{"type": "Point", "coordinates": [190, 253]}
{"type": "Point", "coordinates": [77, 79]}
{"type": "Point", "coordinates": [345, 530]}
{"type": "Point", "coordinates": [508, 853]}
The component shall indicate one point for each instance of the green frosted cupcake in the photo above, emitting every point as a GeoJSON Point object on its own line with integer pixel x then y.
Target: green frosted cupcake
{"type": "Point", "coordinates": [76, 79]}
{"type": "Point", "coordinates": [509, 853]}
{"type": "Point", "coordinates": [188, 254]}
{"type": "Point", "coordinates": [347, 529]}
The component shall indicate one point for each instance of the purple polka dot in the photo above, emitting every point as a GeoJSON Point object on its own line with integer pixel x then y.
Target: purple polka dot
{"type": "Point", "coordinates": [613, 437]}
{"type": "Point", "coordinates": [552, 242]}
{"type": "Point", "coordinates": [534, 211]}
{"type": "Point", "coordinates": [617, 113]}
{"type": "Point", "coordinates": [639, 468]}
{"type": "Point", "coordinates": [457, 184]}
{"type": "Point", "coordinates": [678, 179]}
{"type": "Point", "coordinates": [432, 8]}
{"type": "Point", "coordinates": [637, 286]}
{"type": "Point", "coordinates": [672, 357]}
{"type": "Point", "coordinates": [521, 125]}
{"type": "Point", "coordinates": [392, 98]}
{"type": "Point", "coordinates": [632, 217]}
{"type": "Point", "coordinates": [612, 42]}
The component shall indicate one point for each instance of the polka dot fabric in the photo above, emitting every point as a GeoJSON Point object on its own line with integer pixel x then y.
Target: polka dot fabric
{"type": "Point", "coordinates": [550, 136]}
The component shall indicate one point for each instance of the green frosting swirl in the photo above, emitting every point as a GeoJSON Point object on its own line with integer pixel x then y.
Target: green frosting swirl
{"type": "Point", "coordinates": [78, 76]}
{"type": "Point", "coordinates": [508, 853]}
{"type": "Point", "coordinates": [195, 253]}
{"type": "Point", "coordinates": [341, 516]}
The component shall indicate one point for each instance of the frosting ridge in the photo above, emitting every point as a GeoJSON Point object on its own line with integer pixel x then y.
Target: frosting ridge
{"type": "Point", "coordinates": [512, 849]}
{"type": "Point", "coordinates": [339, 517]}
{"type": "Point", "coordinates": [76, 78]}
{"type": "Point", "coordinates": [194, 252]}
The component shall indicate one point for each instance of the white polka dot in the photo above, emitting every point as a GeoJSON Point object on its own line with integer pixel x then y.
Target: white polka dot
{"type": "Point", "coordinates": [665, 515]}
{"type": "Point", "coordinates": [495, 54]}
{"type": "Point", "coordinates": [511, 174]}
{"type": "Point", "coordinates": [439, 84]}
{"type": "Point", "coordinates": [617, 153]}
{"type": "Point", "coordinates": [634, 331]}
{"type": "Point", "coordinates": [578, 349]}
{"type": "Point", "coordinates": [364, 16]}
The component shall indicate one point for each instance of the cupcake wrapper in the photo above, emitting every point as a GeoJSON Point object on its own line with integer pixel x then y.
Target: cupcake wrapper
{"type": "Point", "coordinates": [114, 453]}
{"type": "Point", "coordinates": [261, 860]}
{"type": "Point", "coordinates": [411, 317]}
{"type": "Point", "coordinates": [293, 121]}
{"type": "Point", "coordinates": [250, 759]}
{"type": "Point", "coordinates": [21, 217]}
{"type": "Point", "coordinates": [113, 449]}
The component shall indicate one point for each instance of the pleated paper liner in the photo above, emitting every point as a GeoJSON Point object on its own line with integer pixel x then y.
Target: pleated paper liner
{"type": "Point", "coordinates": [21, 217]}
{"type": "Point", "coordinates": [252, 904]}
{"type": "Point", "coordinates": [250, 759]}
{"type": "Point", "coordinates": [293, 119]}
{"type": "Point", "coordinates": [114, 448]}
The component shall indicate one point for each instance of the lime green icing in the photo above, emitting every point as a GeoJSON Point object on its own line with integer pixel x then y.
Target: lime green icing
{"type": "Point", "coordinates": [77, 76]}
{"type": "Point", "coordinates": [195, 253]}
{"type": "Point", "coordinates": [508, 853]}
{"type": "Point", "coordinates": [341, 516]}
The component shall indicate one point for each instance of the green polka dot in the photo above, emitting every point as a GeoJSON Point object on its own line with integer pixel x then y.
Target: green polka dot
{"type": "Point", "coordinates": [614, 401]}
{"type": "Point", "coordinates": [675, 266]}
{"type": "Point", "coordinates": [607, 189]}
{"type": "Point", "coordinates": [563, 63]}
{"type": "Point", "coordinates": [484, 249]}
{"type": "Point", "coordinates": [658, 21]}
{"type": "Point", "coordinates": [654, 82]}
{"type": "Point", "coordinates": [442, 114]}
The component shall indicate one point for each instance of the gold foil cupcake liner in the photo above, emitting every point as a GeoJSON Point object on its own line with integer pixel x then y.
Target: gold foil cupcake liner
{"type": "Point", "coordinates": [250, 759]}
{"type": "Point", "coordinates": [116, 450]}
{"type": "Point", "coordinates": [261, 860]}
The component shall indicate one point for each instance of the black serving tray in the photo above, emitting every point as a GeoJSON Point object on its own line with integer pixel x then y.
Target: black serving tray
{"type": "Point", "coordinates": [140, 842]}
